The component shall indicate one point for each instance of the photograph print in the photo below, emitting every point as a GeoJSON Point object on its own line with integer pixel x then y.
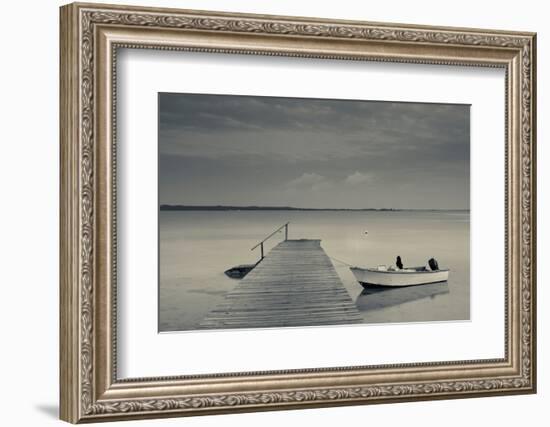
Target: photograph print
{"type": "Point", "coordinates": [299, 212]}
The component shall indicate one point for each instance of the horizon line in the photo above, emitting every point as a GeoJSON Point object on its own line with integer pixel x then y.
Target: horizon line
{"type": "Point", "coordinates": [170, 206]}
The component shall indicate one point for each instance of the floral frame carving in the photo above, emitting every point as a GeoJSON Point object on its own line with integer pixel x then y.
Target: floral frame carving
{"type": "Point", "coordinates": [90, 35]}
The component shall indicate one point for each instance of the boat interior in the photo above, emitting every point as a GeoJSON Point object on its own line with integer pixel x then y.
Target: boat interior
{"type": "Point", "coordinates": [410, 269]}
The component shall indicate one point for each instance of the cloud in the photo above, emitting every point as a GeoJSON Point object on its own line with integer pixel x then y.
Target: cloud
{"type": "Point", "coordinates": [230, 113]}
{"type": "Point", "coordinates": [309, 181]}
{"type": "Point", "coordinates": [306, 180]}
{"type": "Point", "coordinates": [307, 130]}
{"type": "Point", "coordinates": [359, 178]}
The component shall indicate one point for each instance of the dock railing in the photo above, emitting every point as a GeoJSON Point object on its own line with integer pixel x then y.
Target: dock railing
{"type": "Point", "coordinates": [261, 244]}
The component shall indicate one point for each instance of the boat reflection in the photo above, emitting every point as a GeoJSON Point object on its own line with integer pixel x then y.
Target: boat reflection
{"type": "Point", "coordinates": [378, 297]}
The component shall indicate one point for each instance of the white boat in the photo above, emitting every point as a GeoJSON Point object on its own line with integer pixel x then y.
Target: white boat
{"type": "Point", "coordinates": [408, 276]}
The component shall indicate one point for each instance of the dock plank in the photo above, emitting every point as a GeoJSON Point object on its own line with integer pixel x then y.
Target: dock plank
{"type": "Point", "coordinates": [294, 285]}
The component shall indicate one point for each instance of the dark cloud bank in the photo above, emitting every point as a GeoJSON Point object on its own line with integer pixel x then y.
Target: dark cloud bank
{"type": "Point", "coordinates": [313, 153]}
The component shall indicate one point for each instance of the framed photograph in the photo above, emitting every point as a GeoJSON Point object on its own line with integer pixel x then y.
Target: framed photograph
{"type": "Point", "coordinates": [266, 212]}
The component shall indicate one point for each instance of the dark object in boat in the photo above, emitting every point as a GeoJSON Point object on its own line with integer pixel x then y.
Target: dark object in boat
{"type": "Point", "coordinates": [399, 263]}
{"type": "Point", "coordinates": [239, 271]}
{"type": "Point", "coordinates": [432, 262]}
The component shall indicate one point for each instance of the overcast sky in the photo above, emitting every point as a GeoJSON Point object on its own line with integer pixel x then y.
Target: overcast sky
{"type": "Point", "coordinates": [248, 150]}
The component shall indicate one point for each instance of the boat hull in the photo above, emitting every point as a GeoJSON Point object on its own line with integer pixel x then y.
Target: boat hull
{"type": "Point", "coordinates": [239, 271]}
{"type": "Point", "coordinates": [370, 277]}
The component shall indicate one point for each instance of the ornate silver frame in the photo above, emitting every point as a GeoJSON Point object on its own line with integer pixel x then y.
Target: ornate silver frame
{"type": "Point", "coordinates": [90, 36]}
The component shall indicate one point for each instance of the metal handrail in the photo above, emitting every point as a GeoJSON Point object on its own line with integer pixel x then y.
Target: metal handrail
{"type": "Point", "coordinates": [261, 244]}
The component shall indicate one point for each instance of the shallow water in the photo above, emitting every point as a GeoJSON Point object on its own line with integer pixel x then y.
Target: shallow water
{"type": "Point", "coordinates": [197, 247]}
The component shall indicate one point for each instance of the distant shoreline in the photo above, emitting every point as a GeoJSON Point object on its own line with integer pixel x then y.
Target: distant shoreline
{"type": "Point", "coordinates": [166, 207]}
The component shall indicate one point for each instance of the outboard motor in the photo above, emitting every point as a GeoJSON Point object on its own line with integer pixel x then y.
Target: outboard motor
{"type": "Point", "coordinates": [433, 264]}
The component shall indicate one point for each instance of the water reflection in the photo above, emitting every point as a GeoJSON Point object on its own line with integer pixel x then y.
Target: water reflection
{"type": "Point", "coordinates": [378, 297]}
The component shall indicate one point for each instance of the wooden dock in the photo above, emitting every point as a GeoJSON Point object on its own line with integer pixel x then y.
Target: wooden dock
{"type": "Point", "coordinates": [294, 285]}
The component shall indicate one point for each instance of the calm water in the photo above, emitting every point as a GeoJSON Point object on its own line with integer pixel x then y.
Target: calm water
{"type": "Point", "coordinates": [197, 247]}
